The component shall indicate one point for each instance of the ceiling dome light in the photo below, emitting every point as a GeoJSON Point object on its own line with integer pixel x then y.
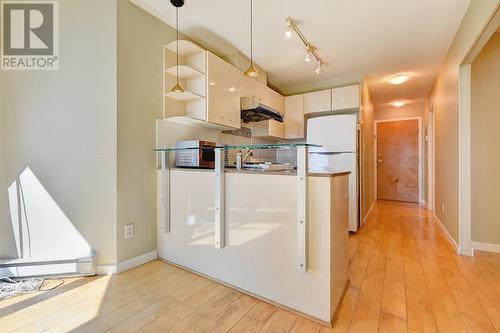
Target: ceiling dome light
{"type": "Point", "coordinates": [399, 79]}
{"type": "Point", "coordinates": [319, 67]}
{"type": "Point", "coordinates": [399, 103]}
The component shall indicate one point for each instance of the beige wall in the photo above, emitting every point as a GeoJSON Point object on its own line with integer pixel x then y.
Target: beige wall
{"type": "Point", "coordinates": [485, 139]}
{"type": "Point", "coordinates": [413, 109]}
{"type": "Point", "coordinates": [62, 125]}
{"type": "Point", "coordinates": [140, 40]}
{"type": "Point", "coordinates": [444, 98]}
{"type": "Point", "coordinates": [367, 150]}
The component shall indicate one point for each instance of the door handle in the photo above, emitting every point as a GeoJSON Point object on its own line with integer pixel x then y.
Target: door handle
{"type": "Point", "coordinates": [380, 161]}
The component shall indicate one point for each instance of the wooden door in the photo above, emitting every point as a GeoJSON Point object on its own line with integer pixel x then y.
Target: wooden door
{"type": "Point", "coordinates": [397, 160]}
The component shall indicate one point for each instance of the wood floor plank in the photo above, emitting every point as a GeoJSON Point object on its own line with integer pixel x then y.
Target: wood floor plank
{"type": "Point", "coordinates": [228, 318]}
{"type": "Point", "coordinates": [280, 322]}
{"type": "Point", "coordinates": [207, 312]}
{"type": "Point", "coordinates": [255, 319]}
{"type": "Point", "coordinates": [304, 325]}
{"type": "Point", "coordinates": [170, 318]}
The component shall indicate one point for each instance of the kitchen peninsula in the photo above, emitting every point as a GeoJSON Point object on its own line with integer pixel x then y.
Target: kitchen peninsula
{"type": "Point", "coordinates": [277, 235]}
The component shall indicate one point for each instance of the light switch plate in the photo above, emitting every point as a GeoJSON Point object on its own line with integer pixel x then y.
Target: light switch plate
{"type": "Point", "coordinates": [129, 230]}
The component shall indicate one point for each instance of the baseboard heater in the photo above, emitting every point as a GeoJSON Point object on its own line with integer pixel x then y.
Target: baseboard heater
{"type": "Point", "coordinates": [19, 268]}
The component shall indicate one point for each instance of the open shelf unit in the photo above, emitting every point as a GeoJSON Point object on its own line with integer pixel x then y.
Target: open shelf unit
{"type": "Point", "coordinates": [192, 67]}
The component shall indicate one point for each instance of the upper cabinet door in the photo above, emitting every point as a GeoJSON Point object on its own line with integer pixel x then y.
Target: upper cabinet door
{"type": "Point", "coordinates": [346, 97]}
{"type": "Point", "coordinates": [263, 93]}
{"type": "Point", "coordinates": [294, 117]}
{"type": "Point", "coordinates": [233, 94]}
{"type": "Point", "coordinates": [318, 101]}
{"type": "Point", "coordinates": [216, 81]}
{"type": "Point", "coordinates": [249, 87]}
{"type": "Point", "coordinates": [277, 101]}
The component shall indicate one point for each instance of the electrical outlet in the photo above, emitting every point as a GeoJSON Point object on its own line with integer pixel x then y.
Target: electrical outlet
{"type": "Point", "coordinates": [442, 208]}
{"type": "Point", "coordinates": [129, 230]}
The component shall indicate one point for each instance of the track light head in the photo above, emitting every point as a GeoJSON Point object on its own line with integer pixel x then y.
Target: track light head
{"type": "Point", "coordinates": [177, 3]}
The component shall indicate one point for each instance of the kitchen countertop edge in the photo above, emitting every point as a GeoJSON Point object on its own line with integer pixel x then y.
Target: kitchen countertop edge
{"type": "Point", "coordinates": [280, 173]}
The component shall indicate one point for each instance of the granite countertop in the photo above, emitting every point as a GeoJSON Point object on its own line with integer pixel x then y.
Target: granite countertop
{"type": "Point", "coordinates": [273, 172]}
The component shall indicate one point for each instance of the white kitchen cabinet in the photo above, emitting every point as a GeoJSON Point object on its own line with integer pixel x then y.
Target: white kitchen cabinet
{"type": "Point", "coordinates": [268, 129]}
{"type": "Point", "coordinates": [277, 101]}
{"type": "Point", "coordinates": [233, 94]}
{"type": "Point", "coordinates": [318, 101]}
{"type": "Point", "coordinates": [294, 117]}
{"type": "Point", "coordinates": [249, 87]}
{"type": "Point", "coordinates": [216, 72]}
{"type": "Point", "coordinates": [264, 93]}
{"type": "Point", "coordinates": [212, 88]}
{"type": "Point", "coordinates": [346, 97]}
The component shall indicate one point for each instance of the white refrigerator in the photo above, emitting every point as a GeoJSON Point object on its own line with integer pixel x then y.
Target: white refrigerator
{"type": "Point", "coordinates": [338, 136]}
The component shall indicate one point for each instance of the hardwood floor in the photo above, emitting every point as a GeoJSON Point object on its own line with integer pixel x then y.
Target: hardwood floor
{"type": "Point", "coordinates": [405, 277]}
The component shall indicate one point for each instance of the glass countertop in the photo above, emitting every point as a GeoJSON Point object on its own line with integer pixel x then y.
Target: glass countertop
{"type": "Point", "coordinates": [245, 147]}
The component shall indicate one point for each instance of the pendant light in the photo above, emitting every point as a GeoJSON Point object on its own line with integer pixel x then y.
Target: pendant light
{"type": "Point", "coordinates": [251, 71]}
{"type": "Point", "coordinates": [177, 3]}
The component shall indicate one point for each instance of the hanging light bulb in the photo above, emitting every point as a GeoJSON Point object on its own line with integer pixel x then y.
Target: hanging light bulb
{"type": "Point", "coordinates": [289, 29]}
{"type": "Point", "coordinates": [319, 67]}
{"type": "Point", "coordinates": [177, 3]}
{"type": "Point", "coordinates": [251, 70]}
{"type": "Point", "coordinates": [308, 55]}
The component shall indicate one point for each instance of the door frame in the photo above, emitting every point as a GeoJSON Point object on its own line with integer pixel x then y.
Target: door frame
{"type": "Point", "coordinates": [431, 158]}
{"type": "Point", "coordinates": [420, 153]}
{"type": "Point", "coordinates": [465, 246]}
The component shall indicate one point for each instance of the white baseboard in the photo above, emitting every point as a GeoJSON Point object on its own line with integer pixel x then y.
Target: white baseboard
{"type": "Point", "coordinates": [134, 262]}
{"type": "Point", "coordinates": [452, 241]}
{"type": "Point", "coordinates": [106, 269]}
{"type": "Point", "coordinates": [488, 247]}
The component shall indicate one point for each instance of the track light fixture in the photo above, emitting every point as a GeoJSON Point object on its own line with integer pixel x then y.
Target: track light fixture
{"type": "Point", "coordinates": [310, 49]}
{"type": "Point", "coordinates": [319, 67]}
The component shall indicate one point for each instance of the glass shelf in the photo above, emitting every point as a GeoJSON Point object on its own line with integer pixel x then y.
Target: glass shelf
{"type": "Point", "coordinates": [246, 147]}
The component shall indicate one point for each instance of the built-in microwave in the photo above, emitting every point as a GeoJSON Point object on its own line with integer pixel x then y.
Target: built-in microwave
{"type": "Point", "coordinates": [195, 158]}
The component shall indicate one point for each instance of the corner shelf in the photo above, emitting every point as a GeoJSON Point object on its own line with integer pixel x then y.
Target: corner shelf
{"type": "Point", "coordinates": [186, 48]}
{"type": "Point", "coordinates": [185, 72]}
{"type": "Point", "coordinates": [184, 96]}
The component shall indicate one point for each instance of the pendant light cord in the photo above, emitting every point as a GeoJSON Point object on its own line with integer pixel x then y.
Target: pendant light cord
{"type": "Point", "coordinates": [177, 44]}
{"type": "Point", "coordinates": [251, 32]}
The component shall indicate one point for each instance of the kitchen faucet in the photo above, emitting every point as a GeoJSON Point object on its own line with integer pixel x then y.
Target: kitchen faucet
{"type": "Point", "coordinates": [247, 155]}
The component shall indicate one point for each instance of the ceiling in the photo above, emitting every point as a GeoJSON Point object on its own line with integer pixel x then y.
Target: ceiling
{"type": "Point", "coordinates": [356, 38]}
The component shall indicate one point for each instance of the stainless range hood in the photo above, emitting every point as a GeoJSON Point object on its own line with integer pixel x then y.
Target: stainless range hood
{"type": "Point", "coordinates": [253, 111]}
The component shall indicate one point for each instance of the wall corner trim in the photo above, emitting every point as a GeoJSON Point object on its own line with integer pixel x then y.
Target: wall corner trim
{"type": "Point", "coordinates": [369, 212]}
{"type": "Point", "coordinates": [452, 241]}
{"type": "Point", "coordinates": [136, 261]}
{"type": "Point", "coordinates": [106, 269]}
{"type": "Point", "coordinates": [488, 247]}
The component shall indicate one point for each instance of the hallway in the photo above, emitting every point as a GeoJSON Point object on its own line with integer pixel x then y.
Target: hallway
{"type": "Point", "coordinates": [405, 277]}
